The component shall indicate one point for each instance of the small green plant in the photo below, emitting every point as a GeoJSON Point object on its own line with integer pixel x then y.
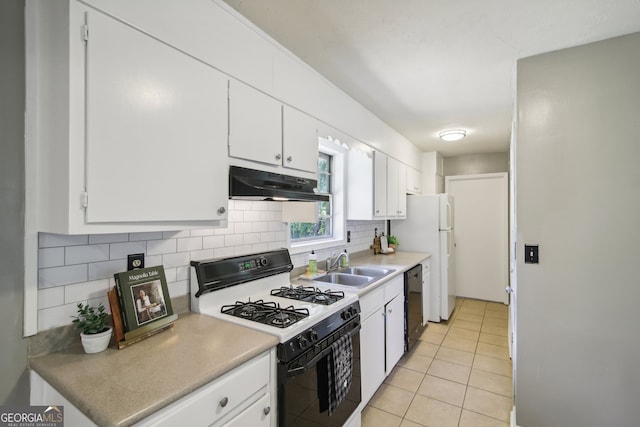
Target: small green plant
{"type": "Point", "coordinates": [90, 320]}
{"type": "Point", "coordinates": [393, 240]}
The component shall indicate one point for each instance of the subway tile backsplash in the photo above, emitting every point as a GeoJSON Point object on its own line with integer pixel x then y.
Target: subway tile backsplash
{"type": "Point", "coordinates": [74, 268]}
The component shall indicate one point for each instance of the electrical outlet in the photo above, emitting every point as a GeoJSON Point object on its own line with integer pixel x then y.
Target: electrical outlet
{"type": "Point", "coordinates": [531, 254]}
{"type": "Point", "coordinates": [135, 261]}
{"type": "Point", "coordinates": [348, 236]}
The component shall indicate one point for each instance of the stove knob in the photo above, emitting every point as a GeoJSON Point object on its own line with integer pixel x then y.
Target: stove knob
{"type": "Point", "coordinates": [353, 311]}
{"type": "Point", "coordinates": [345, 315]}
{"type": "Point", "coordinates": [313, 335]}
{"type": "Point", "coordinates": [262, 261]}
{"type": "Point", "coordinates": [303, 342]}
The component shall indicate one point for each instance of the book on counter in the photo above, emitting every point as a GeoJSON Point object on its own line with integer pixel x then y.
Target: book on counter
{"type": "Point", "coordinates": [144, 300]}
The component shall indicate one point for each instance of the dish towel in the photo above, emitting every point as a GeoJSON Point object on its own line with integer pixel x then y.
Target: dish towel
{"type": "Point", "coordinates": [340, 372]}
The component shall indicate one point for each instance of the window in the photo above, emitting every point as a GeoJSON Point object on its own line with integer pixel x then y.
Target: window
{"type": "Point", "coordinates": [323, 227]}
{"type": "Point", "coordinates": [328, 230]}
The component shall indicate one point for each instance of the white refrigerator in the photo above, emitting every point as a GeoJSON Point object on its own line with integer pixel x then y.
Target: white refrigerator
{"type": "Point", "coordinates": [429, 228]}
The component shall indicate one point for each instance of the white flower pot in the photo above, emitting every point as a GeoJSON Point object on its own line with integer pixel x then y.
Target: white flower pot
{"type": "Point", "coordinates": [95, 343]}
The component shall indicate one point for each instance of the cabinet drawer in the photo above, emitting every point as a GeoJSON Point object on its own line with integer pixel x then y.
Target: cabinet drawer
{"type": "Point", "coordinates": [217, 399]}
{"type": "Point", "coordinates": [394, 288]}
{"type": "Point", "coordinates": [370, 302]}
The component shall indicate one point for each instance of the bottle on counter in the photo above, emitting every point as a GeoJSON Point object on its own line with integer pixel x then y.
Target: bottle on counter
{"type": "Point", "coordinates": [313, 263]}
{"type": "Point", "coordinates": [345, 259]}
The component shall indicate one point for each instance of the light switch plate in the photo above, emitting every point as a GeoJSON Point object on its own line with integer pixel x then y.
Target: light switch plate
{"type": "Point", "coordinates": [531, 254]}
{"type": "Point", "coordinates": [135, 261]}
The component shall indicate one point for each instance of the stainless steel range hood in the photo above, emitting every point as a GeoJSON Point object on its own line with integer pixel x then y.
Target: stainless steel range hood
{"type": "Point", "coordinates": [250, 184]}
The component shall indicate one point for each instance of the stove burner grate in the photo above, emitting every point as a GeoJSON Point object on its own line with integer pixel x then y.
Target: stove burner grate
{"type": "Point", "coordinates": [268, 313]}
{"type": "Point", "coordinates": [308, 294]}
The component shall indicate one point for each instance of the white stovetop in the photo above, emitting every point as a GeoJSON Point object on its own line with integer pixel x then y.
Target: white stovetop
{"type": "Point", "coordinates": [211, 303]}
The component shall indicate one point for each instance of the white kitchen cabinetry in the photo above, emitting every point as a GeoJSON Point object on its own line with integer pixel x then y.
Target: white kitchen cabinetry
{"type": "Point", "coordinates": [381, 335]}
{"type": "Point", "coordinates": [414, 181]}
{"type": "Point", "coordinates": [243, 396]}
{"type": "Point", "coordinates": [124, 132]}
{"type": "Point", "coordinates": [263, 130]}
{"type": "Point", "coordinates": [380, 185]}
{"type": "Point", "coordinates": [396, 189]}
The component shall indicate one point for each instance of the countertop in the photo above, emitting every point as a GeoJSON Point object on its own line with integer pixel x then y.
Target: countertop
{"type": "Point", "coordinates": [399, 261]}
{"type": "Point", "coordinates": [121, 387]}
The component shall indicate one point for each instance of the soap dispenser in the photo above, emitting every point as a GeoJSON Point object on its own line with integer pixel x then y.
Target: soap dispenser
{"type": "Point", "coordinates": [345, 259]}
{"type": "Point", "coordinates": [313, 263]}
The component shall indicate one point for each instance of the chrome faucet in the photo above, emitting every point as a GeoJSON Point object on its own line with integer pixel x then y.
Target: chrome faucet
{"type": "Point", "coordinates": [333, 263]}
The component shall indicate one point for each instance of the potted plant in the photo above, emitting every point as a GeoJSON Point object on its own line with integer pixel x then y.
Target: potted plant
{"type": "Point", "coordinates": [95, 333]}
{"type": "Point", "coordinates": [393, 241]}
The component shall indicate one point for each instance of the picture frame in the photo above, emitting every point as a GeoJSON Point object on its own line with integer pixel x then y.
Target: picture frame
{"type": "Point", "coordinates": [144, 299]}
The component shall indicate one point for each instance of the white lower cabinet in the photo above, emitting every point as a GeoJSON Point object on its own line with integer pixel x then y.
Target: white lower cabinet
{"type": "Point", "coordinates": [381, 334]}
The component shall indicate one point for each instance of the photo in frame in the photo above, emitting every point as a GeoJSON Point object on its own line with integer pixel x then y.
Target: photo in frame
{"type": "Point", "coordinates": [144, 300]}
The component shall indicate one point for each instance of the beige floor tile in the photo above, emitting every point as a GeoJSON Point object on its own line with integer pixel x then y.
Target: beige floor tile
{"type": "Point", "coordinates": [392, 399]}
{"type": "Point", "coordinates": [407, 423]}
{"type": "Point", "coordinates": [431, 412]}
{"type": "Point", "coordinates": [467, 334]}
{"type": "Point", "coordinates": [415, 361]}
{"type": "Point", "coordinates": [440, 328]}
{"type": "Point", "coordinates": [497, 351]}
{"type": "Point", "coordinates": [455, 356]}
{"type": "Point", "coordinates": [493, 339]}
{"type": "Point", "coordinates": [426, 348]}
{"type": "Point", "coordinates": [459, 343]}
{"type": "Point", "coordinates": [487, 403]}
{"type": "Point", "coordinates": [432, 336]}
{"type": "Point", "coordinates": [494, 383]}
{"type": "Point", "coordinates": [465, 324]}
{"type": "Point", "coordinates": [493, 365]}
{"type": "Point", "coordinates": [497, 307]}
{"type": "Point", "coordinates": [473, 419]}
{"type": "Point", "coordinates": [478, 311]}
{"type": "Point", "coordinates": [477, 318]}
{"type": "Point", "coordinates": [475, 303]}
{"type": "Point", "coordinates": [374, 417]}
{"type": "Point", "coordinates": [504, 315]}
{"type": "Point", "coordinates": [495, 321]}
{"type": "Point", "coordinates": [444, 390]}
{"type": "Point", "coordinates": [495, 330]}
{"type": "Point", "coordinates": [405, 379]}
{"type": "Point", "coordinates": [449, 371]}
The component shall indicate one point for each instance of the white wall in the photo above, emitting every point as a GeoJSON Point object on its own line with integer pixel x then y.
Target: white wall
{"type": "Point", "coordinates": [472, 164]}
{"type": "Point", "coordinates": [578, 197]}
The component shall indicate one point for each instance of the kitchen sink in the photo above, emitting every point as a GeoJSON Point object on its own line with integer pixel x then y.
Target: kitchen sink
{"type": "Point", "coordinates": [347, 279]}
{"type": "Point", "coordinates": [376, 272]}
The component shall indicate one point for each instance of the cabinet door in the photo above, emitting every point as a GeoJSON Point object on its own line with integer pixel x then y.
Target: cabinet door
{"type": "Point", "coordinates": [256, 415]}
{"type": "Point", "coordinates": [299, 140]}
{"type": "Point", "coordinates": [372, 354]}
{"type": "Point", "coordinates": [156, 124]}
{"type": "Point", "coordinates": [360, 176]}
{"type": "Point", "coordinates": [394, 330]}
{"type": "Point", "coordinates": [379, 185]}
{"type": "Point", "coordinates": [255, 125]}
{"type": "Point", "coordinates": [392, 188]}
{"type": "Point", "coordinates": [402, 190]}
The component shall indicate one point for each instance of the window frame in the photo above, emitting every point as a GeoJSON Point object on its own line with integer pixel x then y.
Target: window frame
{"type": "Point", "coordinates": [338, 203]}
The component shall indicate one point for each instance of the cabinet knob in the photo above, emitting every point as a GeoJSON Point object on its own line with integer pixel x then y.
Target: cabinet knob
{"type": "Point", "coordinates": [221, 210]}
{"type": "Point", "coordinates": [278, 156]}
{"type": "Point", "coordinates": [224, 401]}
{"type": "Point", "coordinates": [289, 159]}
{"type": "Point", "coordinates": [267, 410]}
{"type": "Point", "coordinates": [390, 311]}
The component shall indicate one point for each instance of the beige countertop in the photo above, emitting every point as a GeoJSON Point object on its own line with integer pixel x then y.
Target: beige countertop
{"type": "Point", "coordinates": [121, 387]}
{"type": "Point", "coordinates": [398, 261]}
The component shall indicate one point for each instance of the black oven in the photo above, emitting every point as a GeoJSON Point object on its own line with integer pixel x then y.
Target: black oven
{"type": "Point", "coordinates": [302, 379]}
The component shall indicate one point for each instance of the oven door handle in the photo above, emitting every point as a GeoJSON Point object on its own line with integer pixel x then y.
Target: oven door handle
{"type": "Point", "coordinates": [302, 369]}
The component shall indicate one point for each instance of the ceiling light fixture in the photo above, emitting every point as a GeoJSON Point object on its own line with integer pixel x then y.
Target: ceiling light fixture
{"type": "Point", "coordinates": [452, 134]}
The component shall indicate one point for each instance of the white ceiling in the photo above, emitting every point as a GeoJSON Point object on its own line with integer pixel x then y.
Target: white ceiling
{"type": "Point", "coordinates": [423, 66]}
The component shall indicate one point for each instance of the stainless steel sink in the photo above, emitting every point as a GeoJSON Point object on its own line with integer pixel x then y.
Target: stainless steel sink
{"type": "Point", "coordinates": [347, 279]}
{"type": "Point", "coordinates": [376, 272]}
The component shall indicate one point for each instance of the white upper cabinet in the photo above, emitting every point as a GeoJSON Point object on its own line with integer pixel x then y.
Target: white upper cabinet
{"type": "Point", "coordinates": [255, 125]}
{"type": "Point", "coordinates": [263, 130]}
{"type": "Point", "coordinates": [125, 133]}
{"type": "Point", "coordinates": [414, 181]}
{"type": "Point", "coordinates": [299, 140]}
{"type": "Point", "coordinates": [379, 185]}
{"type": "Point", "coordinates": [156, 127]}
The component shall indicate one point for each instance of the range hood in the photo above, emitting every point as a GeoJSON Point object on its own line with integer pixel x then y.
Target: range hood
{"type": "Point", "coordinates": [251, 184]}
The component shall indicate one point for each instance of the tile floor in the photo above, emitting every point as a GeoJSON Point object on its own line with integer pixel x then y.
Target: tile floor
{"type": "Point", "coordinates": [459, 374]}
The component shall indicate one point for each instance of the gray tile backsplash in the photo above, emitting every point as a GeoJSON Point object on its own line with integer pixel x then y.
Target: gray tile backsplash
{"type": "Point", "coordinates": [81, 267]}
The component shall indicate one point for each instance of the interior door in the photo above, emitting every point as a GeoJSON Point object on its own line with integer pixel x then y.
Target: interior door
{"type": "Point", "coordinates": [481, 235]}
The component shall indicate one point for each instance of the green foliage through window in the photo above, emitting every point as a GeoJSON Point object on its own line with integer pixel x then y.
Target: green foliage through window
{"type": "Point", "coordinates": [322, 228]}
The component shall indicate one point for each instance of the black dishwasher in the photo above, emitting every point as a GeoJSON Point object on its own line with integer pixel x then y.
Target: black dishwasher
{"type": "Point", "coordinates": [412, 306]}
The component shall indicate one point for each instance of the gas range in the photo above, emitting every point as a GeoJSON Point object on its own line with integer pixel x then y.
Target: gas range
{"type": "Point", "coordinates": [255, 291]}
